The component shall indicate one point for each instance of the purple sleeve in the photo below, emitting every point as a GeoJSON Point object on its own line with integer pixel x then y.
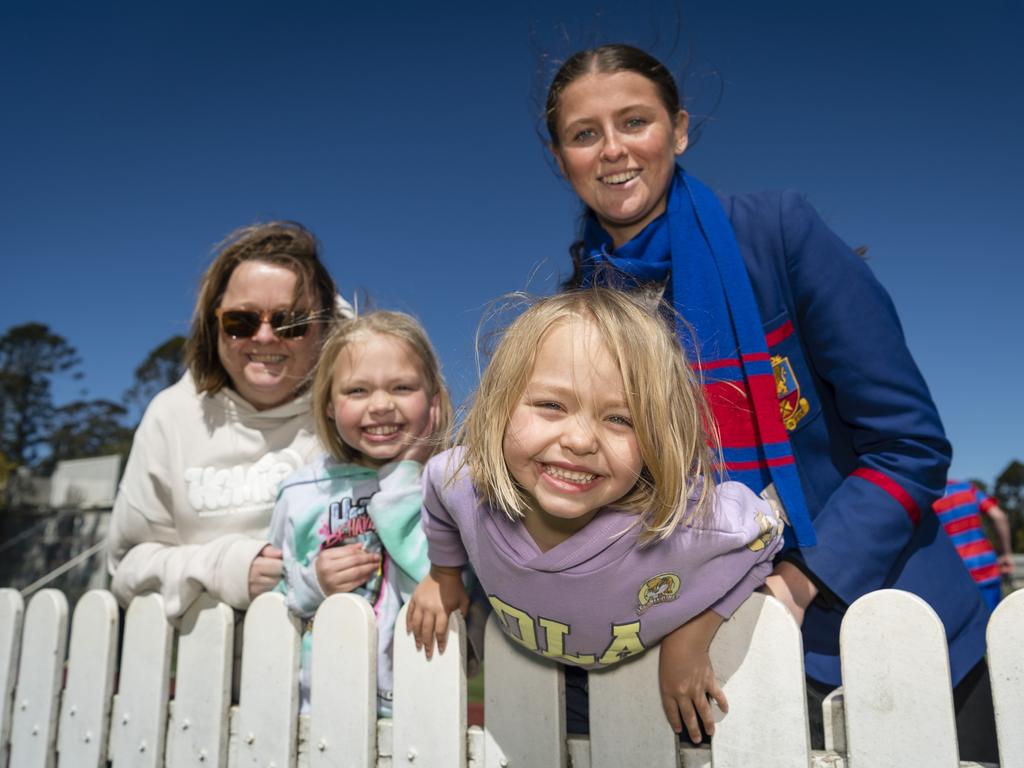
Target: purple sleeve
{"type": "Point", "coordinates": [756, 530]}
{"type": "Point", "coordinates": [732, 600]}
{"type": "Point", "coordinates": [444, 541]}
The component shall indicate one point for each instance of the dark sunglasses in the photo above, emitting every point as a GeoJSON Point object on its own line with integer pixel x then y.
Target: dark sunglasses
{"type": "Point", "coordinates": [245, 323]}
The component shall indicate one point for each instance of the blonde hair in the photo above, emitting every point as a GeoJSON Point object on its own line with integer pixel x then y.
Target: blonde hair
{"type": "Point", "coordinates": [670, 416]}
{"type": "Point", "coordinates": [283, 243]}
{"type": "Point", "coordinates": [401, 326]}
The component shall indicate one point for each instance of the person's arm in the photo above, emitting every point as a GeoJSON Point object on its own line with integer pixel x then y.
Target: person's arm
{"type": "Point", "coordinates": [439, 594]}
{"type": "Point", "coordinates": [849, 331]}
{"type": "Point", "coordinates": [442, 590]}
{"type": "Point", "coordinates": [144, 553]}
{"type": "Point", "coordinates": [1004, 539]}
{"type": "Point", "coordinates": [749, 530]}
{"type": "Point", "coordinates": [302, 591]}
{"type": "Point", "coordinates": [178, 572]}
{"type": "Point", "coordinates": [791, 586]}
{"type": "Point", "coordinates": [311, 573]}
{"type": "Point", "coordinates": [395, 510]}
{"type": "Point", "coordinates": [686, 678]}
{"type": "Point", "coordinates": [741, 537]}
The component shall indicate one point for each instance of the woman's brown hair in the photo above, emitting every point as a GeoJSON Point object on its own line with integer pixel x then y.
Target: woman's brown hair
{"type": "Point", "coordinates": [284, 243]}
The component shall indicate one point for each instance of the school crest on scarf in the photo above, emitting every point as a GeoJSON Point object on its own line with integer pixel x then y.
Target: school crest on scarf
{"type": "Point", "coordinates": [693, 247]}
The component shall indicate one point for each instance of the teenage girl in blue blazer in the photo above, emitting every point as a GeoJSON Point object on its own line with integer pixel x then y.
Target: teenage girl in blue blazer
{"type": "Point", "coordinates": [806, 368]}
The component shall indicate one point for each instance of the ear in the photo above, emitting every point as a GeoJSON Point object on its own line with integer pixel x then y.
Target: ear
{"type": "Point", "coordinates": [330, 410]}
{"type": "Point", "coordinates": [682, 126]}
{"type": "Point", "coordinates": [435, 411]}
{"type": "Point", "coordinates": [558, 159]}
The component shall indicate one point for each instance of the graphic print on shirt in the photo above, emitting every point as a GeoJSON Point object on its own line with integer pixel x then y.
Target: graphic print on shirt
{"type": "Point", "coordinates": [771, 529]}
{"type": "Point", "coordinates": [348, 521]}
{"type": "Point", "coordinates": [792, 407]}
{"type": "Point", "coordinates": [216, 491]}
{"type": "Point", "coordinates": [662, 588]}
{"type": "Point", "coordinates": [547, 637]}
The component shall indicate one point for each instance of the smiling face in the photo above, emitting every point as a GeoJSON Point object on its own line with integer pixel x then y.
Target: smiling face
{"type": "Point", "coordinates": [266, 370]}
{"type": "Point", "coordinates": [570, 442]}
{"type": "Point", "coordinates": [379, 400]}
{"type": "Point", "coordinates": [617, 145]}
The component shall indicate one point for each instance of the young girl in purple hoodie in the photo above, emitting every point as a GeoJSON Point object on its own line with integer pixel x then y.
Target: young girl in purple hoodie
{"type": "Point", "coordinates": [579, 496]}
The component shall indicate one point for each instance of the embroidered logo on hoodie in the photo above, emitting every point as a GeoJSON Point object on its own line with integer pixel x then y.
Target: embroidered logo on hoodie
{"type": "Point", "coordinates": [662, 588]}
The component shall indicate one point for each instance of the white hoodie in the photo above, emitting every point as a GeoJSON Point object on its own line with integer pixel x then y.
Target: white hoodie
{"type": "Point", "coordinates": [198, 491]}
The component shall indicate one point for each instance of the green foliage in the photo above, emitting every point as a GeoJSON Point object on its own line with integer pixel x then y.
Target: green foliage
{"type": "Point", "coordinates": [36, 433]}
{"type": "Point", "coordinates": [981, 485]}
{"type": "Point", "coordinates": [1010, 495]}
{"type": "Point", "coordinates": [87, 428]}
{"type": "Point", "coordinates": [163, 366]}
{"type": "Point", "coordinates": [30, 356]}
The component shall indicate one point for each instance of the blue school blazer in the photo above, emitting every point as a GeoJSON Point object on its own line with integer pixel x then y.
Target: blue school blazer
{"type": "Point", "coordinates": [869, 444]}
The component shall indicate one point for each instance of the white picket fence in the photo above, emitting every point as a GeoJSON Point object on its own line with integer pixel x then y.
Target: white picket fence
{"type": "Point", "coordinates": [896, 709]}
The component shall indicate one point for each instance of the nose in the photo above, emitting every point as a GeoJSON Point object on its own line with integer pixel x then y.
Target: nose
{"type": "Point", "coordinates": [265, 333]}
{"type": "Point", "coordinates": [579, 437]}
{"type": "Point", "coordinates": [613, 149]}
{"type": "Point", "coordinates": [381, 402]}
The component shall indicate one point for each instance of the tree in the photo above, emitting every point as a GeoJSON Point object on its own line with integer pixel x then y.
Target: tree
{"type": "Point", "coordinates": [1010, 495]}
{"type": "Point", "coordinates": [981, 485]}
{"type": "Point", "coordinates": [30, 356]}
{"type": "Point", "coordinates": [163, 366]}
{"type": "Point", "coordinates": [87, 428]}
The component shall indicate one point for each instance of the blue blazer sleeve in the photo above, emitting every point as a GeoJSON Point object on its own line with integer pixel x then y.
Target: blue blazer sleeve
{"type": "Point", "coordinates": [873, 455]}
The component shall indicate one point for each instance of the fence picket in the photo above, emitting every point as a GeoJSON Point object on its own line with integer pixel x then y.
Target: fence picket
{"type": "Point", "coordinates": [198, 728]}
{"type": "Point", "coordinates": [85, 708]}
{"type": "Point", "coordinates": [758, 659]}
{"type": "Point", "coordinates": [645, 737]}
{"type": "Point", "coordinates": [524, 703]}
{"type": "Point", "coordinates": [343, 712]}
{"type": "Point", "coordinates": [44, 641]}
{"type": "Point", "coordinates": [268, 705]}
{"type": "Point", "coordinates": [1006, 668]}
{"type": "Point", "coordinates": [834, 721]}
{"type": "Point", "coordinates": [139, 718]}
{"type": "Point", "coordinates": [430, 700]}
{"type": "Point", "coordinates": [896, 671]}
{"type": "Point", "coordinates": [11, 611]}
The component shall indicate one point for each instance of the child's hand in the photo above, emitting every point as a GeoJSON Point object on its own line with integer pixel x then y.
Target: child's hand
{"type": "Point", "coordinates": [440, 593]}
{"type": "Point", "coordinates": [342, 569]}
{"type": "Point", "coordinates": [422, 445]}
{"type": "Point", "coordinates": [687, 679]}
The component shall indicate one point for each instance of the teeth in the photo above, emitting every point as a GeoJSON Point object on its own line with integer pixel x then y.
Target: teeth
{"type": "Point", "coordinates": [266, 358]}
{"type": "Point", "coordinates": [568, 475]}
{"type": "Point", "coordinates": [383, 429]}
{"type": "Point", "coordinates": [620, 178]}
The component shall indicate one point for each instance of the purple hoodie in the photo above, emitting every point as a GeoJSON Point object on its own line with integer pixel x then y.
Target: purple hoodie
{"type": "Point", "coordinates": [599, 596]}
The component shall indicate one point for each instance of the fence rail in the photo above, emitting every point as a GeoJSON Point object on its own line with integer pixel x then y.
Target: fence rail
{"type": "Point", "coordinates": [58, 700]}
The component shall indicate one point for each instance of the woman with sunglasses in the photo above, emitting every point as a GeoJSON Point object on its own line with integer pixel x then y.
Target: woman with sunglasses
{"type": "Point", "coordinates": [194, 504]}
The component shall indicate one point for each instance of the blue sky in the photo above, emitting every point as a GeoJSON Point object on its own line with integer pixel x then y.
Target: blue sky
{"type": "Point", "coordinates": [133, 137]}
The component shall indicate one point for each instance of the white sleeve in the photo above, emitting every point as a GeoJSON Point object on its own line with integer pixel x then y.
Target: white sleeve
{"type": "Point", "coordinates": [144, 550]}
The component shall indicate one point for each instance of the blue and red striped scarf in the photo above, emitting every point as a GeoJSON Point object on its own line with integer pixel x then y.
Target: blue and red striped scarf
{"type": "Point", "coordinates": [693, 247]}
